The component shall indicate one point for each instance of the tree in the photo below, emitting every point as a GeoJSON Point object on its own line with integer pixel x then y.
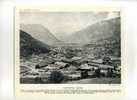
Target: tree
{"type": "Point", "coordinates": [56, 77]}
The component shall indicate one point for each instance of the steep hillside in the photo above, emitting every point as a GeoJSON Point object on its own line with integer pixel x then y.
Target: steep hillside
{"type": "Point", "coordinates": [41, 33]}
{"type": "Point", "coordinates": [30, 45]}
{"type": "Point", "coordinates": [105, 29]}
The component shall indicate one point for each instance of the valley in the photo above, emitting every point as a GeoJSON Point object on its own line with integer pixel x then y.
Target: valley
{"type": "Point", "coordinates": [89, 56]}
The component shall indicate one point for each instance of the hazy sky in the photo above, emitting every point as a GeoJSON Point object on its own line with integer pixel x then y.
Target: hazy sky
{"type": "Point", "coordinates": [64, 22]}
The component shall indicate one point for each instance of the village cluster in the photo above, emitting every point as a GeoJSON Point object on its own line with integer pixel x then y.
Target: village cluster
{"type": "Point", "coordinates": [68, 64]}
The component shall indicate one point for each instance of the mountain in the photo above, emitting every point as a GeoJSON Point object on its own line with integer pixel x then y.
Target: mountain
{"type": "Point", "coordinates": [41, 33]}
{"type": "Point", "coordinates": [30, 45]}
{"type": "Point", "coordinates": [105, 29]}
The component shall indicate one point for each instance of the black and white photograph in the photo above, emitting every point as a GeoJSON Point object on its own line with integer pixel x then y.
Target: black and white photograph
{"type": "Point", "coordinates": [80, 47]}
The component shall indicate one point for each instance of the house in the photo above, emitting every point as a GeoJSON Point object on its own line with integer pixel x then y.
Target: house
{"type": "Point", "coordinates": [62, 64]}
{"type": "Point", "coordinates": [44, 63]}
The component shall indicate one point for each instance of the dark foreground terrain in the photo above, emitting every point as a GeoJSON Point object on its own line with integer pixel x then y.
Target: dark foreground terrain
{"type": "Point", "coordinates": [82, 81]}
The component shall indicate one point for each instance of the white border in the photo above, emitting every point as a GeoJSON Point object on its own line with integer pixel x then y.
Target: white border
{"type": "Point", "coordinates": [19, 87]}
{"type": "Point", "coordinates": [6, 42]}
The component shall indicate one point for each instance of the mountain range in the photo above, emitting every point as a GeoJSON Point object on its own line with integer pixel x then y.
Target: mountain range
{"type": "Point", "coordinates": [30, 45]}
{"type": "Point", "coordinates": [40, 32]}
{"type": "Point", "coordinates": [35, 38]}
{"type": "Point", "coordinates": [105, 29]}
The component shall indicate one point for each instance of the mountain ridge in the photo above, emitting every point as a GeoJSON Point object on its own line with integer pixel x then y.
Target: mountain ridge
{"type": "Point", "coordinates": [30, 45]}
{"type": "Point", "coordinates": [40, 32]}
{"type": "Point", "coordinates": [97, 31]}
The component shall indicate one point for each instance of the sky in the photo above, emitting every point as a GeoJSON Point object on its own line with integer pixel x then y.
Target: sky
{"type": "Point", "coordinates": [60, 23]}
